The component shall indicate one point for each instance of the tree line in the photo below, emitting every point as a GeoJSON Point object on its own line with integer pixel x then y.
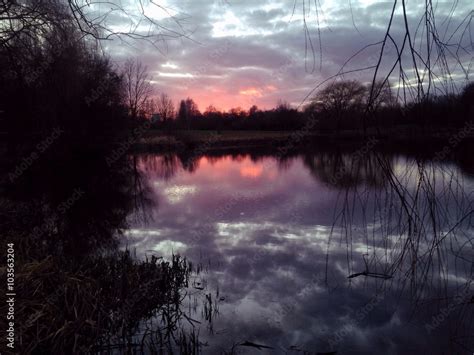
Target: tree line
{"type": "Point", "coordinates": [341, 105]}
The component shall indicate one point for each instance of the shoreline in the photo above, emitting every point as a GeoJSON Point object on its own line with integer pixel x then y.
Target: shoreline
{"type": "Point", "coordinates": [404, 137]}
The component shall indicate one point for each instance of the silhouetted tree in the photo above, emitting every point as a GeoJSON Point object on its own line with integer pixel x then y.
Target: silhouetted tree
{"type": "Point", "coordinates": [211, 109]}
{"type": "Point", "coordinates": [253, 110]}
{"type": "Point", "coordinates": [192, 108]}
{"type": "Point", "coordinates": [283, 105]}
{"type": "Point", "coordinates": [148, 109]}
{"type": "Point", "coordinates": [187, 111]}
{"type": "Point", "coordinates": [53, 78]}
{"type": "Point", "coordinates": [137, 87]}
{"type": "Point", "coordinates": [165, 108]}
{"type": "Point", "coordinates": [382, 95]}
{"type": "Point", "coordinates": [339, 98]}
{"type": "Point", "coordinates": [183, 113]}
{"type": "Point", "coordinates": [237, 112]}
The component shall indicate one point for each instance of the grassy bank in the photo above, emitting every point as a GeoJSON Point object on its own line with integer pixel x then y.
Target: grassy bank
{"type": "Point", "coordinates": [157, 140]}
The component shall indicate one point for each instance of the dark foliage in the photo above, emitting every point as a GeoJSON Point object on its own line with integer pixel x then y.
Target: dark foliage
{"type": "Point", "coordinates": [51, 77]}
{"type": "Point", "coordinates": [344, 105]}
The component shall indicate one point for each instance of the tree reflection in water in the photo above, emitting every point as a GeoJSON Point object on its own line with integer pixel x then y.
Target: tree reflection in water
{"type": "Point", "coordinates": [401, 228]}
{"type": "Point", "coordinates": [77, 292]}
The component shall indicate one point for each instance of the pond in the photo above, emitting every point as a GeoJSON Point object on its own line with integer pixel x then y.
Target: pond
{"type": "Point", "coordinates": [316, 252]}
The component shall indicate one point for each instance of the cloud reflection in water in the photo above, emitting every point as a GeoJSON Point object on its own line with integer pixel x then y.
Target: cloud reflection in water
{"type": "Point", "coordinates": [281, 261]}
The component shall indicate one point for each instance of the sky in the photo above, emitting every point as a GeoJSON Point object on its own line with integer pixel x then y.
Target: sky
{"type": "Point", "coordinates": [230, 53]}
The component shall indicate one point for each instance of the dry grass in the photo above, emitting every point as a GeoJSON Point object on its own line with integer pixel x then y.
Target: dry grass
{"type": "Point", "coordinates": [65, 307]}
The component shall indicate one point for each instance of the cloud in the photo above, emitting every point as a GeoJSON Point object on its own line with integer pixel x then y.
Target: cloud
{"type": "Point", "coordinates": [233, 46]}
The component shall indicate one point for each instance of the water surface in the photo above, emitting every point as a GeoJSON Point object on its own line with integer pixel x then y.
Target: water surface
{"type": "Point", "coordinates": [278, 238]}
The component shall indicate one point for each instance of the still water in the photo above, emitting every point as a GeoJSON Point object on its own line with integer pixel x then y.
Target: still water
{"type": "Point", "coordinates": [317, 252]}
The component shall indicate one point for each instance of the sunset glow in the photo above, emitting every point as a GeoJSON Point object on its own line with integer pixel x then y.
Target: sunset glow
{"type": "Point", "coordinates": [251, 171]}
{"type": "Point", "coordinates": [251, 92]}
